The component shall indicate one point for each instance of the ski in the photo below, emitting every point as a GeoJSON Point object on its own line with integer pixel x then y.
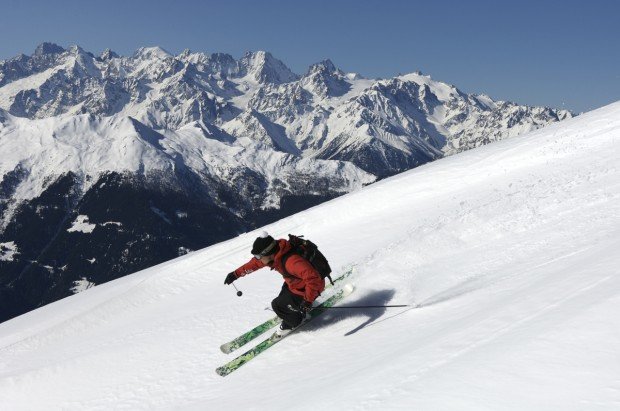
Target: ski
{"type": "Point", "coordinates": [248, 336]}
{"type": "Point", "coordinates": [231, 366]}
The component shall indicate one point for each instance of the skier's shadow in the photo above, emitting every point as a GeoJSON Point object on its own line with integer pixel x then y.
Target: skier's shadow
{"type": "Point", "coordinates": [331, 316]}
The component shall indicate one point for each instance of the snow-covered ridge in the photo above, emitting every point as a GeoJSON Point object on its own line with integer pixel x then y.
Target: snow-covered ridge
{"type": "Point", "coordinates": [325, 113]}
{"type": "Point", "coordinates": [507, 255]}
{"type": "Point", "coordinates": [90, 146]}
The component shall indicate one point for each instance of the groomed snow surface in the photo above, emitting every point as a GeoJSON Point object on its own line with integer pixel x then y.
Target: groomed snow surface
{"type": "Point", "coordinates": [508, 255]}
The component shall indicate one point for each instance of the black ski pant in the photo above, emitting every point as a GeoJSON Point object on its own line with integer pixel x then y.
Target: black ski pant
{"type": "Point", "coordinates": [290, 317]}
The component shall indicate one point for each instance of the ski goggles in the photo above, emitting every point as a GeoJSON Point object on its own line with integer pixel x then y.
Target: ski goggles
{"type": "Point", "coordinates": [266, 251]}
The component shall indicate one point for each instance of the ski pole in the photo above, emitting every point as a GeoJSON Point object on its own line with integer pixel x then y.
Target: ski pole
{"type": "Point", "coordinates": [239, 293]}
{"type": "Point", "coordinates": [290, 307]}
{"type": "Point", "coordinates": [365, 306]}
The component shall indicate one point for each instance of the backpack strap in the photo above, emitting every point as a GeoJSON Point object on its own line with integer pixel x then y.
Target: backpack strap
{"type": "Point", "coordinates": [284, 259]}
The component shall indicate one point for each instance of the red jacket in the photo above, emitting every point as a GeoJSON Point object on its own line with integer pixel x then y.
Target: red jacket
{"type": "Point", "coordinates": [304, 280]}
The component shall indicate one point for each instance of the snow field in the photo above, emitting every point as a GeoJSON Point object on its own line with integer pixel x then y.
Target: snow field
{"type": "Point", "coordinates": [507, 255]}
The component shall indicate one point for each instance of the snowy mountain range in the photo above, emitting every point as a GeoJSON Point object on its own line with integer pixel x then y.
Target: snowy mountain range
{"type": "Point", "coordinates": [507, 256]}
{"type": "Point", "coordinates": [324, 113]}
{"type": "Point", "coordinates": [110, 164]}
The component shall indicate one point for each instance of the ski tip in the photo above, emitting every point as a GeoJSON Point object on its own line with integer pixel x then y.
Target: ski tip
{"type": "Point", "coordinates": [225, 348]}
{"type": "Point", "coordinates": [348, 288]}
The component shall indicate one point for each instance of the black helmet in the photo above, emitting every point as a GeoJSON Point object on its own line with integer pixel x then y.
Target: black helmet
{"type": "Point", "coordinates": [264, 245]}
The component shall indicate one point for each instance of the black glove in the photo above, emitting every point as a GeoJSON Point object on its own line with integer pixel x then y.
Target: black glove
{"type": "Point", "coordinates": [305, 307]}
{"type": "Point", "coordinates": [230, 278]}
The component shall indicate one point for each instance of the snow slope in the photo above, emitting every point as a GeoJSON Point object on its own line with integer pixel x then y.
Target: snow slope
{"type": "Point", "coordinates": [507, 254]}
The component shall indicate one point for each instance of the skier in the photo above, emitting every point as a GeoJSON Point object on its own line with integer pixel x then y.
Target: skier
{"type": "Point", "coordinates": [302, 282]}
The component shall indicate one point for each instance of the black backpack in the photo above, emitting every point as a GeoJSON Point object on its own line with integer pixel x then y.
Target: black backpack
{"type": "Point", "coordinates": [309, 251]}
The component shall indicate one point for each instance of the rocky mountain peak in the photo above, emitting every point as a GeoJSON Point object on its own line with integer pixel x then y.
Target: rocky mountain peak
{"type": "Point", "coordinates": [325, 80]}
{"type": "Point", "coordinates": [77, 50]}
{"type": "Point", "coordinates": [84, 65]}
{"type": "Point", "coordinates": [48, 48]}
{"type": "Point", "coordinates": [221, 64]}
{"type": "Point", "coordinates": [265, 68]}
{"type": "Point", "coordinates": [107, 55]}
{"type": "Point", "coordinates": [325, 66]}
{"type": "Point", "coordinates": [150, 53]}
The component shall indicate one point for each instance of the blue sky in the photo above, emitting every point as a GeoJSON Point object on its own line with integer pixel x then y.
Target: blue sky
{"type": "Point", "coordinates": [554, 53]}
